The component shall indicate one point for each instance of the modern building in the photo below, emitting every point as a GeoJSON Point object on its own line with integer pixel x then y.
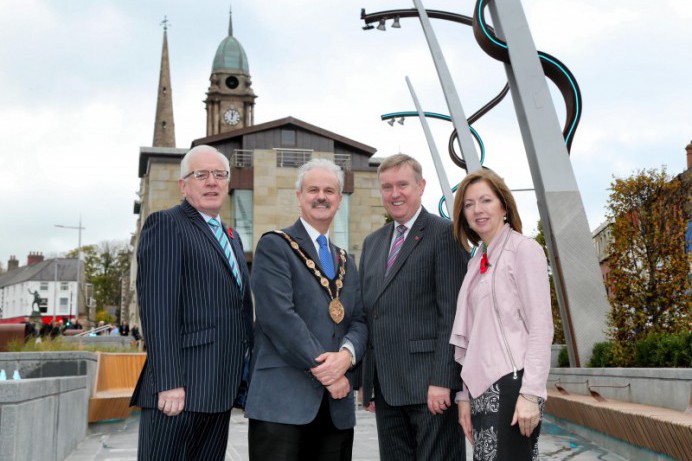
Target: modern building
{"type": "Point", "coordinates": [43, 287]}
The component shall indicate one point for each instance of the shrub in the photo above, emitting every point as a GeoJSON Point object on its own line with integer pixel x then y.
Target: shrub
{"type": "Point", "coordinates": [664, 350]}
{"type": "Point", "coordinates": [563, 358]}
{"type": "Point", "coordinates": [602, 355]}
{"type": "Point", "coordinates": [57, 344]}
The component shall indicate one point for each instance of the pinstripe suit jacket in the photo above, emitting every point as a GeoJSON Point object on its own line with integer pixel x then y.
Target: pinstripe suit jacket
{"type": "Point", "coordinates": [197, 323]}
{"type": "Point", "coordinates": [410, 312]}
{"type": "Point", "coordinates": [293, 327]}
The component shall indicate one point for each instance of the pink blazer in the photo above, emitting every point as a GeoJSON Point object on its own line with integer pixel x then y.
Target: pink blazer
{"type": "Point", "coordinates": [522, 294]}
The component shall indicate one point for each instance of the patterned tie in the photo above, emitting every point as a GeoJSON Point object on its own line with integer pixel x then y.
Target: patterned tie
{"type": "Point", "coordinates": [325, 257]}
{"type": "Point", "coordinates": [398, 241]}
{"type": "Point", "coordinates": [226, 247]}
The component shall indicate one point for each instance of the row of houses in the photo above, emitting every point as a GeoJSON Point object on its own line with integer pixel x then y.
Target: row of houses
{"type": "Point", "coordinates": [45, 287]}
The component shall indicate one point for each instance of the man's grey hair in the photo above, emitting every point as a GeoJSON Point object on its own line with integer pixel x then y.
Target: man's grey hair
{"type": "Point", "coordinates": [184, 169]}
{"type": "Point", "coordinates": [324, 164]}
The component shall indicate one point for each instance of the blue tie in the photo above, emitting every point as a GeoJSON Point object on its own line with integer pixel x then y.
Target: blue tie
{"type": "Point", "coordinates": [325, 257]}
{"type": "Point", "coordinates": [226, 247]}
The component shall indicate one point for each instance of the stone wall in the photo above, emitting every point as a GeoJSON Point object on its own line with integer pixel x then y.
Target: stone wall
{"type": "Point", "coordinates": [51, 364]}
{"type": "Point", "coordinates": [660, 387]}
{"type": "Point", "coordinates": [42, 419]}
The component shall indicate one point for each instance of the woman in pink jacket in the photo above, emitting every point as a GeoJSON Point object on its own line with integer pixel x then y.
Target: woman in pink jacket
{"type": "Point", "coordinates": [503, 327]}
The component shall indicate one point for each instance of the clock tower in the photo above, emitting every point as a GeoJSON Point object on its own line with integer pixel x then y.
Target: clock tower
{"type": "Point", "coordinates": [230, 99]}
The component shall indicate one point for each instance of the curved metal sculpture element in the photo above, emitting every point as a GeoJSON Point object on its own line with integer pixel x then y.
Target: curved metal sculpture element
{"type": "Point", "coordinates": [454, 156]}
{"type": "Point", "coordinates": [553, 68]}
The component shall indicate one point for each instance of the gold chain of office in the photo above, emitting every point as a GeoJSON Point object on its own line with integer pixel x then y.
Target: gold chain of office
{"type": "Point", "coordinates": [336, 308]}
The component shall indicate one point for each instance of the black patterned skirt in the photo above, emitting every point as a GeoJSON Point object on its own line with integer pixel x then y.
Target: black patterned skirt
{"type": "Point", "coordinates": [491, 415]}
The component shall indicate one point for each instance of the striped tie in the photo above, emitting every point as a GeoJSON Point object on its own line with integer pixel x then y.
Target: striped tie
{"type": "Point", "coordinates": [226, 247]}
{"type": "Point", "coordinates": [398, 241]}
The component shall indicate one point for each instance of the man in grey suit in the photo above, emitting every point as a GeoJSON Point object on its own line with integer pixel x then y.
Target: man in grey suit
{"type": "Point", "coordinates": [309, 332]}
{"type": "Point", "coordinates": [196, 308]}
{"type": "Point", "coordinates": [411, 270]}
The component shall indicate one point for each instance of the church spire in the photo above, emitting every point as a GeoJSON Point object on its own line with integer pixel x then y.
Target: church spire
{"type": "Point", "coordinates": [230, 21]}
{"type": "Point", "coordinates": [164, 126]}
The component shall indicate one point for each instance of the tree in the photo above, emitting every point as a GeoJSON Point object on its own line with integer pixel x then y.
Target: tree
{"type": "Point", "coordinates": [558, 333]}
{"type": "Point", "coordinates": [648, 264]}
{"type": "Point", "coordinates": [105, 265]}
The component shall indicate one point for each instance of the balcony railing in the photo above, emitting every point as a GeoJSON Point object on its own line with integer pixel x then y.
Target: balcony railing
{"type": "Point", "coordinates": [343, 160]}
{"type": "Point", "coordinates": [241, 158]}
{"type": "Point", "coordinates": [292, 158]}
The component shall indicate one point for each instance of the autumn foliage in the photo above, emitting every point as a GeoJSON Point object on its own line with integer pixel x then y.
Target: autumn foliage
{"type": "Point", "coordinates": [648, 264]}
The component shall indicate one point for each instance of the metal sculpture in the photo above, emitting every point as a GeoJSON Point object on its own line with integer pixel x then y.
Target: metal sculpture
{"type": "Point", "coordinates": [581, 294]}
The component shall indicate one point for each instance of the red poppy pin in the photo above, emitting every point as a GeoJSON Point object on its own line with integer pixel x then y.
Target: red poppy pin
{"type": "Point", "coordinates": [484, 260]}
{"type": "Point", "coordinates": [230, 232]}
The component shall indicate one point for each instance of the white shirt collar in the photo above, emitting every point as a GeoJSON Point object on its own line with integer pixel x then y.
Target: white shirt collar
{"type": "Point", "coordinates": [206, 217]}
{"type": "Point", "coordinates": [410, 222]}
{"type": "Point", "coordinates": [313, 233]}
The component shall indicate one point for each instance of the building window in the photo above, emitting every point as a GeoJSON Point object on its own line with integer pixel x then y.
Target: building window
{"type": "Point", "coordinates": [341, 224]}
{"type": "Point", "coordinates": [64, 307]}
{"type": "Point", "coordinates": [288, 137]}
{"type": "Point", "coordinates": [44, 286]}
{"type": "Point", "coordinates": [242, 215]}
{"type": "Point", "coordinates": [64, 286]}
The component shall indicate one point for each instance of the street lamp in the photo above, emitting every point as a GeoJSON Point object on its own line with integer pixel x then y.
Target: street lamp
{"type": "Point", "coordinates": [79, 258]}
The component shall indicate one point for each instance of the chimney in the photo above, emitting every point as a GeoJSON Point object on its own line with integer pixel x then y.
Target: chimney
{"type": "Point", "coordinates": [689, 155]}
{"type": "Point", "coordinates": [12, 264]}
{"type": "Point", "coordinates": [34, 257]}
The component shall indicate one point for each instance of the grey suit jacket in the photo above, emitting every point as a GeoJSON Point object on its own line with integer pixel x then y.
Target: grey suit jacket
{"type": "Point", "coordinates": [410, 312]}
{"type": "Point", "coordinates": [293, 327]}
{"type": "Point", "coordinates": [197, 322]}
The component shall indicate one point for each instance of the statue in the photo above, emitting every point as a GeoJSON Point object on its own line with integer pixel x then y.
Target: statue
{"type": "Point", "coordinates": [36, 301]}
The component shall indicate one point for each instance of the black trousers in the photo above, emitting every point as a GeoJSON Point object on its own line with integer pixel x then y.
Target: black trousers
{"type": "Point", "coordinates": [412, 433]}
{"type": "Point", "coordinates": [187, 436]}
{"type": "Point", "coordinates": [491, 416]}
{"type": "Point", "coordinates": [319, 440]}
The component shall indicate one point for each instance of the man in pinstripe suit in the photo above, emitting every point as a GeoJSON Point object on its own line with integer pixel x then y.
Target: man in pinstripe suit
{"type": "Point", "coordinates": [196, 309]}
{"type": "Point", "coordinates": [411, 270]}
{"type": "Point", "coordinates": [310, 330]}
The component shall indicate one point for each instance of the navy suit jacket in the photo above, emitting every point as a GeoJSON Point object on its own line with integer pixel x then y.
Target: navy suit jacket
{"type": "Point", "coordinates": [293, 327]}
{"type": "Point", "coordinates": [197, 322]}
{"type": "Point", "coordinates": [411, 311]}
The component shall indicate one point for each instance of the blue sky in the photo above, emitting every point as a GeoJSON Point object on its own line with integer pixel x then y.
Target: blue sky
{"type": "Point", "coordinates": [78, 85]}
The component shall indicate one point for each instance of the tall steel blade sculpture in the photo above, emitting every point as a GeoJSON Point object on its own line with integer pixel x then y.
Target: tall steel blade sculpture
{"type": "Point", "coordinates": [581, 294]}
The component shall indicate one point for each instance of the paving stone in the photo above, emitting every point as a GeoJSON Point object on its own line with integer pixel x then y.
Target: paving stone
{"type": "Point", "coordinates": [117, 441]}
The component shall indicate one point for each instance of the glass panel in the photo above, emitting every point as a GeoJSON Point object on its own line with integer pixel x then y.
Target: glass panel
{"type": "Point", "coordinates": [64, 306]}
{"type": "Point", "coordinates": [242, 216]}
{"type": "Point", "coordinates": [340, 238]}
{"type": "Point", "coordinates": [288, 137]}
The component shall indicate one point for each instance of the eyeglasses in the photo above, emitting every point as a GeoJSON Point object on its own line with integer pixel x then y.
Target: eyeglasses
{"type": "Point", "coordinates": [204, 174]}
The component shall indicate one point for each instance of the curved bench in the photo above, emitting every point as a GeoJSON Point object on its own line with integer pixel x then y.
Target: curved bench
{"type": "Point", "coordinates": [116, 377]}
{"type": "Point", "coordinates": [658, 429]}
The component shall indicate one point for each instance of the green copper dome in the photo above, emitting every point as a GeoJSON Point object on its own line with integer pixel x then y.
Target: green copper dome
{"type": "Point", "coordinates": [230, 55]}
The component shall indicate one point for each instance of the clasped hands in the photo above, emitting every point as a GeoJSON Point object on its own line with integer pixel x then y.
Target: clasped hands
{"type": "Point", "coordinates": [331, 372]}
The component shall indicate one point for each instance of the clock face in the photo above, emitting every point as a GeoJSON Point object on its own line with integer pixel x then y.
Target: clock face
{"type": "Point", "coordinates": [232, 82]}
{"type": "Point", "coordinates": [231, 117]}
